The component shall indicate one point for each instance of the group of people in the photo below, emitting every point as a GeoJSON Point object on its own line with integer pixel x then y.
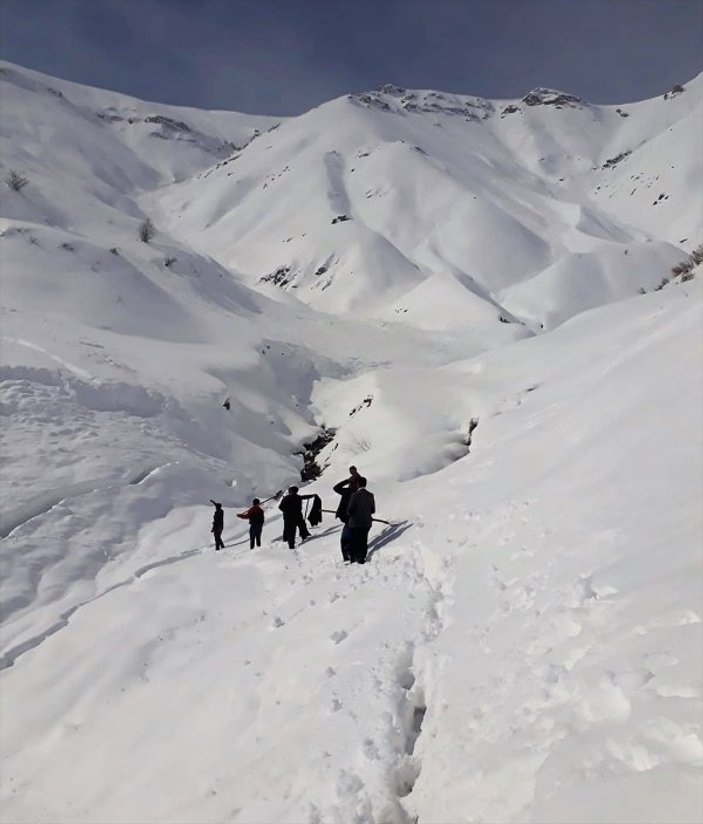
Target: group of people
{"type": "Point", "coordinates": [356, 508]}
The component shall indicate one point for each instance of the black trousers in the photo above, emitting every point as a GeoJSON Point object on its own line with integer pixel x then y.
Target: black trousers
{"type": "Point", "coordinates": [289, 530]}
{"type": "Point", "coordinates": [292, 526]}
{"type": "Point", "coordinates": [358, 543]}
{"type": "Point", "coordinates": [303, 528]}
{"type": "Point", "coordinates": [219, 543]}
{"type": "Point", "coordinates": [255, 535]}
{"type": "Point", "coordinates": [344, 539]}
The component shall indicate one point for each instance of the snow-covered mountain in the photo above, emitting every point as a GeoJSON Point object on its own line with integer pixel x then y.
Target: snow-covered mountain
{"type": "Point", "coordinates": [390, 203]}
{"type": "Point", "coordinates": [471, 300]}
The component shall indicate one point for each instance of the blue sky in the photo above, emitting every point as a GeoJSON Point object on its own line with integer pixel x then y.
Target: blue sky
{"type": "Point", "coordinates": [285, 56]}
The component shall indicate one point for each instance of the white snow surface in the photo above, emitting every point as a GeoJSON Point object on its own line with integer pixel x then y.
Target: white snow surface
{"type": "Point", "coordinates": [486, 335]}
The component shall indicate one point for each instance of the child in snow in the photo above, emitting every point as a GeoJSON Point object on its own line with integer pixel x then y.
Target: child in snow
{"type": "Point", "coordinates": [255, 516]}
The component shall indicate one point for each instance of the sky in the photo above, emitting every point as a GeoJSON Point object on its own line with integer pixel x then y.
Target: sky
{"type": "Point", "coordinates": [282, 57]}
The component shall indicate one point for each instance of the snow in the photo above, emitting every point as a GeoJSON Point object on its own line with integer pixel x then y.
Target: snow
{"type": "Point", "coordinates": [523, 644]}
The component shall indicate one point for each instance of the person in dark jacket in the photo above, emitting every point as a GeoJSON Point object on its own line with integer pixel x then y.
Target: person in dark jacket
{"type": "Point", "coordinates": [362, 506]}
{"type": "Point", "coordinates": [255, 516]}
{"type": "Point", "coordinates": [218, 524]}
{"type": "Point", "coordinates": [292, 508]}
{"type": "Point", "coordinates": [345, 489]}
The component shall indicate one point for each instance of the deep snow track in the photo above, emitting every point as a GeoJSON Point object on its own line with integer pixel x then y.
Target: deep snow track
{"type": "Point", "coordinates": [418, 674]}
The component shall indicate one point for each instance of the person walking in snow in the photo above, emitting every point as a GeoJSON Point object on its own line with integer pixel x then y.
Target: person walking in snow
{"type": "Point", "coordinates": [255, 516]}
{"type": "Point", "coordinates": [360, 510]}
{"type": "Point", "coordinates": [291, 506]}
{"type": "Point", "coordinates": [345, 489]}
{"type": "Point", "coordinates": [218, 524]}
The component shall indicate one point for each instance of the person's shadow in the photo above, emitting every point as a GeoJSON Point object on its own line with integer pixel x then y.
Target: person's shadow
{"type": "Point", "coordinates": [387, 536]}
{"type": "Point", "coordinates": [327, 531]}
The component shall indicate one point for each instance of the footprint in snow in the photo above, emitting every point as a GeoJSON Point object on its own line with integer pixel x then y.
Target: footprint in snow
{"type": "Point", "coordinates": [339, 636]}
{"type": "Point", "coordinates": [371, 750]}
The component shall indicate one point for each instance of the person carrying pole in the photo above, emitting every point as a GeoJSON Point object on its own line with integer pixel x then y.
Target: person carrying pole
{"type": "Point", "coordinates": [291, 506]}
{"type": "Point", "coordinates": [255, 516]}
{"type": "Point", "coordinates": [218, 524]}
{"type": "Point", "coordinates": [345, 489]}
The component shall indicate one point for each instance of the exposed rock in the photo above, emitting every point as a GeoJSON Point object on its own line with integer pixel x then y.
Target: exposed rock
{"type": "Point", "coordinates": [675, 92]}
{"type": "Point", "coordinates": [311, 469]}
{"type": "Point", "coordinates": [394, 98]}
{"type": "Point", "coordinates": [511, 109]}
{"type": "Point", "coordinates": [368, 400]}
{"type": "Point", "coordinates": [390, 88]}
{"type": "Point", "coordinates": [612, 162]}
{"type": "Point", "coordinates": [473, 423]}
{"type": "Point", "coordinates": [550, 97]}
{"type": "Point", "coordinates": [168, 123]}
{"type": "Point", "coordinates": [280, 277]}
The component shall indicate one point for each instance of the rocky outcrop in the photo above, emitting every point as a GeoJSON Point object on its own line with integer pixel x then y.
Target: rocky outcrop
{"type": "Point", "coordinates": [550, 97]}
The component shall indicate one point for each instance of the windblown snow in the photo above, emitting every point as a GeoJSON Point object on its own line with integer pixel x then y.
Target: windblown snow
{"type": "Point", "coordinates": [473, 301]}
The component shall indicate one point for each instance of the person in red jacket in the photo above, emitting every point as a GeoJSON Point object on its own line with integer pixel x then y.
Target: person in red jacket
{"type": "Point", "coordinates": [255, 516]}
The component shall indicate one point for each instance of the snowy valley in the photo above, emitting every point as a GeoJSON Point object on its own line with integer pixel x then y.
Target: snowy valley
{"type": "Point", "coordinates": [473, 301]}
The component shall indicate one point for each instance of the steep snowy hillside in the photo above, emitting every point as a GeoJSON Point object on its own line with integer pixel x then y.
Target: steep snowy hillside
{"type": "Point", "coordinates": [172, 141]}
{"type": "Point", "coordinates": [118, 355]}
{"type": "Point", "coordinates": [398, 204]}
{"type": "Point", "coordinates": [440, 289]}
{"type": "Point", "coordinates": [522, 646]}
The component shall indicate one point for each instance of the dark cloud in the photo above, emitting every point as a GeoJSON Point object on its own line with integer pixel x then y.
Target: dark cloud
{"type": "Point", "coordinates": [285, 56]}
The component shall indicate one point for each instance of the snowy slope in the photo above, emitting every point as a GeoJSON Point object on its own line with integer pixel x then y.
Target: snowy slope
{"type": "Point", "coordinates": [173, 141]}
{"type": "Point", "coordinates": [522, 645]}
{"type": "Point", "coordinates": [431, 185]}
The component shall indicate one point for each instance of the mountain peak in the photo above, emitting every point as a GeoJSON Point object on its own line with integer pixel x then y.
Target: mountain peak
{"type": "Point", "coordinates": [392, 98]}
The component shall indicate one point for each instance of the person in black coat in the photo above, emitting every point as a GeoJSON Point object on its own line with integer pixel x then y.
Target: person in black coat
{"type": "Point", "coordinates": [360, 510]}
{"type": "Point", "coordinates": [291, 506]}
{"type": "Point", "coordinates": [345, 489]}
{"type": "Point", "coordinates": [218, 524]}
